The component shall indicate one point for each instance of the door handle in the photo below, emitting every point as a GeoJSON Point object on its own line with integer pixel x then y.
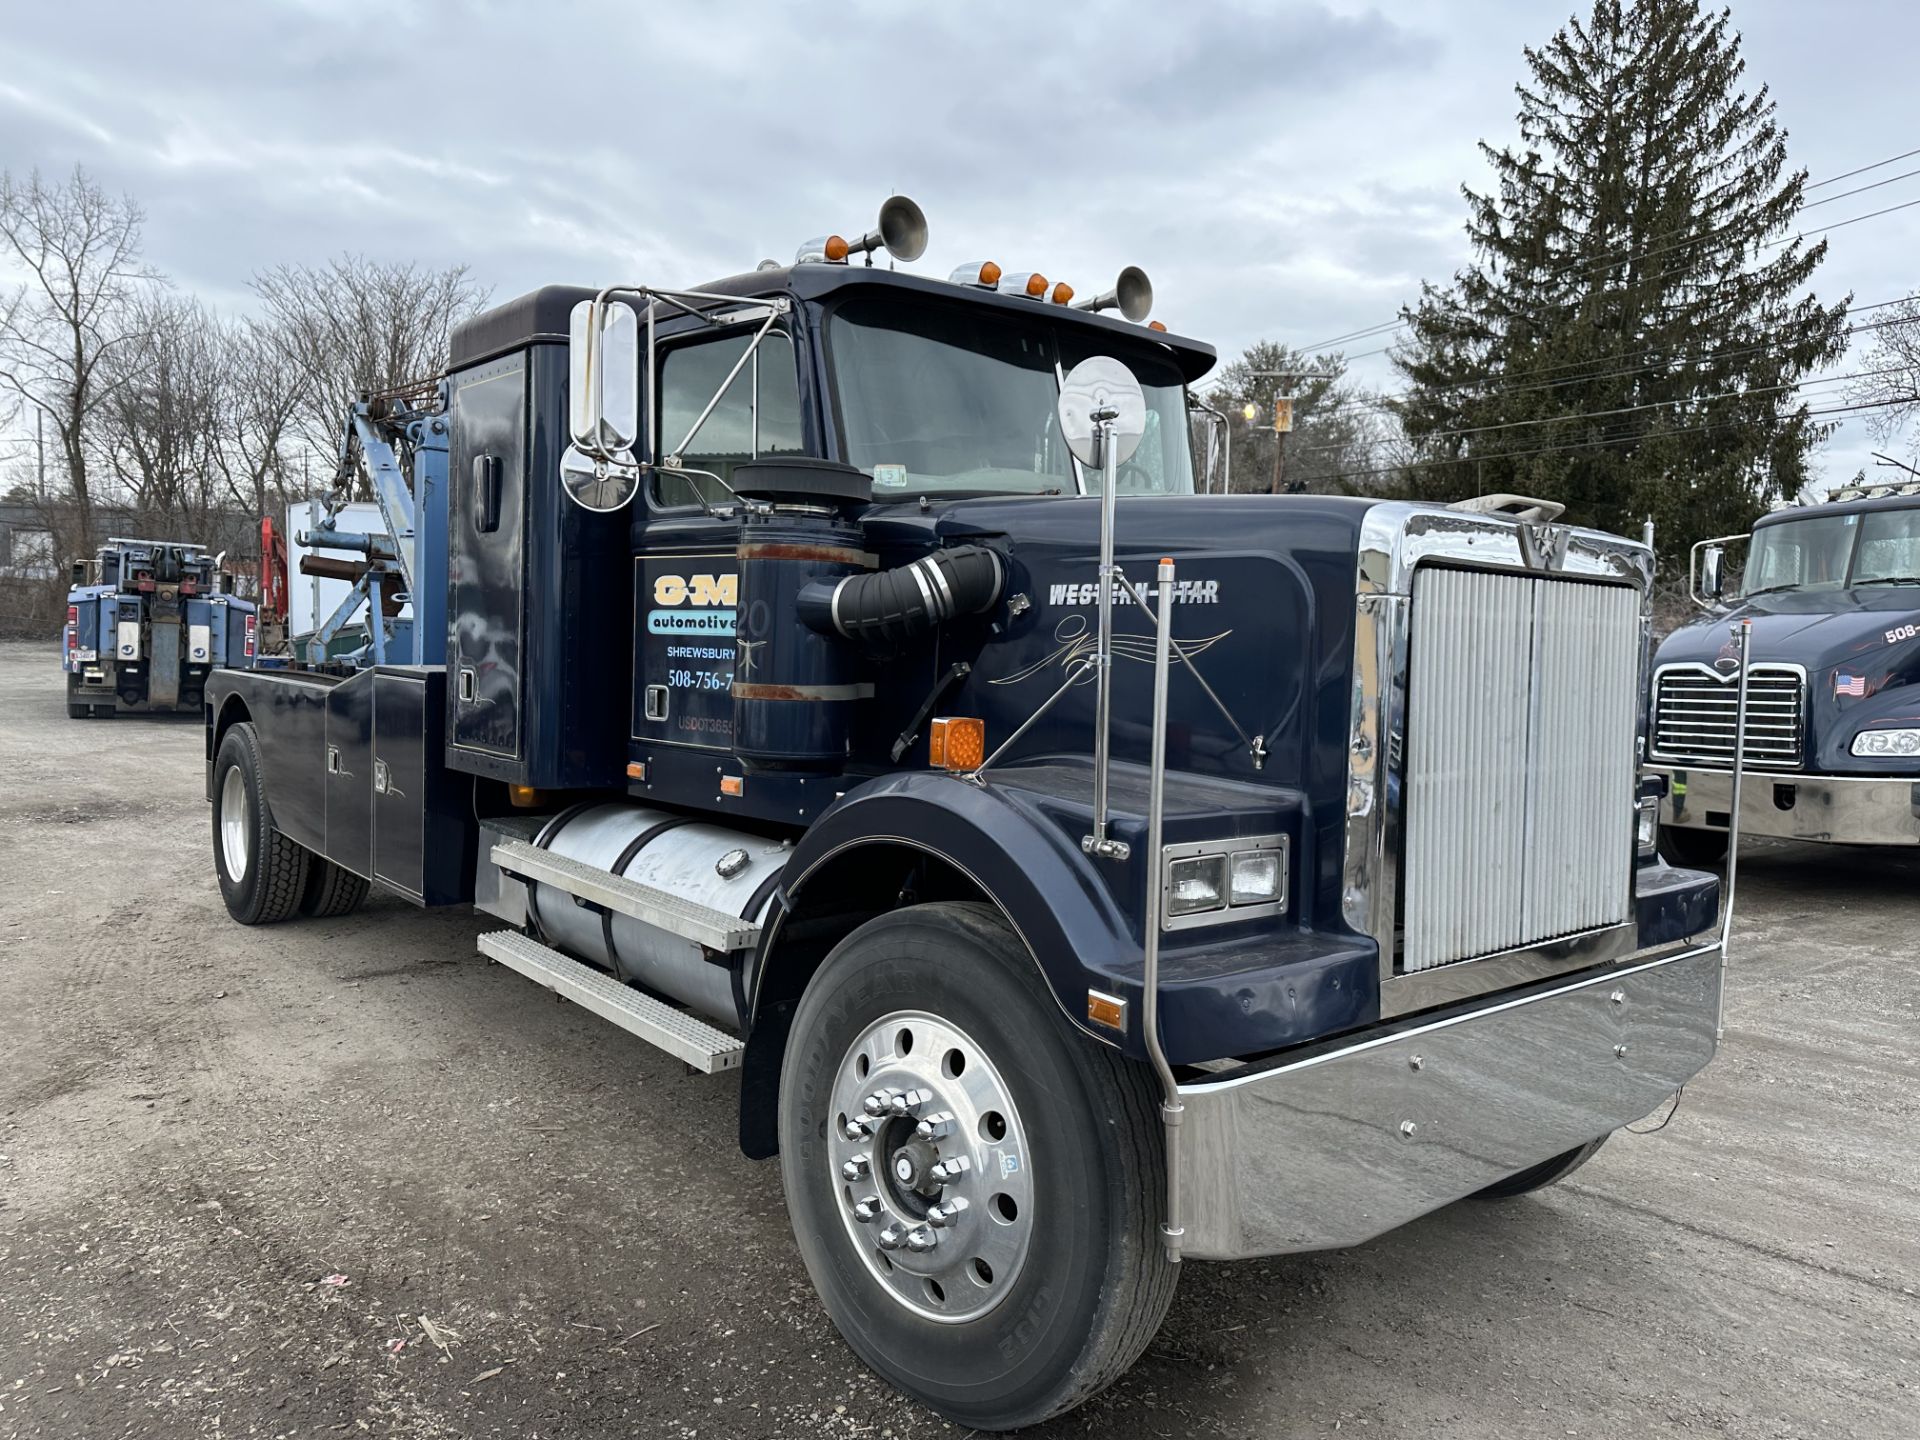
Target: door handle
{"type": "Point", "coordinates": [486, 493]}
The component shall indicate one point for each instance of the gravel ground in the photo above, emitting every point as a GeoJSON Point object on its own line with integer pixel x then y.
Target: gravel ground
{"type": "Point", "coordinates": [545, 1229]}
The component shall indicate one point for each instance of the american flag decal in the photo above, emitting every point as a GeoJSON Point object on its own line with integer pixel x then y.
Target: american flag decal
{"type": "Point", "coordinates": [1845, 684]}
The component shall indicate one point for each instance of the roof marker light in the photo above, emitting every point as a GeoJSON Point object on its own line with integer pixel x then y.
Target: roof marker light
{"type": "Point", "coordinates": [1030, 283]}
{"type": "Point", "coordinates": [983, 273]}
{"type": "Point", "coordinates": [1062, 293]}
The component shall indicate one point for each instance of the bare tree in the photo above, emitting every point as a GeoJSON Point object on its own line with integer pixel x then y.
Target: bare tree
{"type": "Point", "coordinates": [61, 328]}
{"type": "Point", "coordinates": [358, 325]}
{"type": "Point", "coordinates": [1892, 377]}
{"type": "Point", "coordinates": [163, 410]}
{"type": "Point", "coordinates": [260, 392]}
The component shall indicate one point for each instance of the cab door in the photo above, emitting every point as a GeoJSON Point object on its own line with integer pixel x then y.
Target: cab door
{"type": "Point", "coordinates": [686, 576]}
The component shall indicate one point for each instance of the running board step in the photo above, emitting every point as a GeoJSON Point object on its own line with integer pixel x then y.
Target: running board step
{"type": "Point", "coordinates": [701, 1045]}
{"type": "Point", "coordinates": [690, 920]}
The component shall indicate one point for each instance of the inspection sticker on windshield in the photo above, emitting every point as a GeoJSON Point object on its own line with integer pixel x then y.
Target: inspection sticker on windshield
{"type": "Point", "coordinates": [889, 477]}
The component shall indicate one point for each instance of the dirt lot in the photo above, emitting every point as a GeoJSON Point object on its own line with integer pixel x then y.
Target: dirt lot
{"type": "Point", "coordinates": [199, 1124]}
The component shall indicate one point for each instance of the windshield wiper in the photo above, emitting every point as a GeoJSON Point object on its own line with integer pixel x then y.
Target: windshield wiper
{"type": "Point", "coordinates": [1888, 580]}
{"type": "Point", "coordinates": [1767, 590]}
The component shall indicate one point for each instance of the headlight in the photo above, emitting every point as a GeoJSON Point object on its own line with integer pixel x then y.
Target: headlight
{"type": "Point", "coordinates": [1196, 885]}
{"type": "Point", "coordinates": [1887, 742]}
{"type": "Point", "coordinates": [1257, 877]}
{"type": "Point", "coordinates": [1647, 828]}
{"type": "Point", "coordinates": [1214, 882]}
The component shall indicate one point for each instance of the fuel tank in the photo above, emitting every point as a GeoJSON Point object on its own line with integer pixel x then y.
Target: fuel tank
{"type": "Point", "coordinates": [713, 865]}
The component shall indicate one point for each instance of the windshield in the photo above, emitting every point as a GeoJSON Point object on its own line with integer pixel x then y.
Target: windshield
{"type": "Point", "coordinates": [1827, 552]}
{"type": "Point", "coordinates": [954, 399]}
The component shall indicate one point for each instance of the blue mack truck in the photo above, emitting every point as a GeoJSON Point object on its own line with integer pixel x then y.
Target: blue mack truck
{"type": "Point", "coordinates": [147, 622]}
{"type": "Point", "coordinates": [1832, 746]}
{"type": "Point", "coordinates": [841, 683]}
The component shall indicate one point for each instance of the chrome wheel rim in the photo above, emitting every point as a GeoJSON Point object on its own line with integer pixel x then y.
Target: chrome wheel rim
{"type": "Point", "coordinates": [234, 830]}
{"type": "Point", "coordinates": [931, 1166]}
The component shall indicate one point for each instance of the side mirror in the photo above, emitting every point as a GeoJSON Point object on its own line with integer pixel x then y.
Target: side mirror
{"type": "Point", "coordinates": [603, 356]}
{"type": "Point", "coordinates": [1712, 581]}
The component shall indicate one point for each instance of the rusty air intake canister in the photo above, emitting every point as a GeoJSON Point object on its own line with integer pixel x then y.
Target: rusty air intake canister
{"type": "Point", "coordinates": [793, 687]}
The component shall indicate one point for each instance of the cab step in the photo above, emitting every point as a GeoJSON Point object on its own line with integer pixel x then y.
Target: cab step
{"type": "Point", "coordinates": [690, 920]}
{"type": "Point", "coordinates": [693, 1040]}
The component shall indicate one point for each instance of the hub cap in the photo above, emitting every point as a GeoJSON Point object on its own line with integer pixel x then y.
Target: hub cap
{"type": "Point", "coordinates": [931, 1165]}
{"type": "Point", "coordinates": [234, 829]}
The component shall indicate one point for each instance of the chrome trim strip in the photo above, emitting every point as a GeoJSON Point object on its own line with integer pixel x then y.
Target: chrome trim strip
{"type": "Point", "coordinates": [1404, 994]}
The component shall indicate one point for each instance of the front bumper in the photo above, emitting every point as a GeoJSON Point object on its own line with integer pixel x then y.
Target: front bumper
{"type": "Point", "coordinates": [1844, 810]}
{"type": "Point", "coordinates": [1335, 1147]}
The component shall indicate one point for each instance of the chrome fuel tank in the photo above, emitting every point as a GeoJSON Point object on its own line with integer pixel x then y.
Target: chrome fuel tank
{"type": "Point", "coordinates": [712, 865]}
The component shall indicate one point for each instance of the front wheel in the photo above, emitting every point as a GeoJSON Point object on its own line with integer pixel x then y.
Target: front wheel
{"type": "Point", "coordinates": [1538, 1177]}
{"type": "Point", "coordinates": [976, 1187]}
{"type": "Point", "coordinates": [1695, 849]}
{"type": "Point", "coordinates": [262, 873]}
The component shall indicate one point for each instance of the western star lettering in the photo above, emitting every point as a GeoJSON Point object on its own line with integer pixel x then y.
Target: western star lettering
{"type": "Point", "coordinates": [1185, 592]}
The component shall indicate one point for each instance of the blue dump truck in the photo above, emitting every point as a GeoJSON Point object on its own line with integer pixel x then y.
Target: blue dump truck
{"type": "Point", "coordinates": [147, 622]}
{"type": "Point", "coordinates": [1832, 750]}
{"type": "Point", "coordinates": [841, 683]}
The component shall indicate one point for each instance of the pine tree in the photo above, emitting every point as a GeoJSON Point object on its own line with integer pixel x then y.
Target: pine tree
{"type": "Point", "coordinates": [1334, 426]}
{"type": "Point", "coordinates": [1628, 335]}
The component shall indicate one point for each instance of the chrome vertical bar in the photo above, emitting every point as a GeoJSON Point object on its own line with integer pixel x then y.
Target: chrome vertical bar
{"type": "Point", "coordinates": [1744, 633]}
{"type": "Point", "coordinates": [1097, 843]}
{"type": "Point", "coordinates": [1172, 1112]}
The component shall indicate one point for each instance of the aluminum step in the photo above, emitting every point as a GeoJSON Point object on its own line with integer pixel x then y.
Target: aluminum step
{"type": "Point", "coordinates": [693, 1040]}
{"type": "Point", "coordinates": [690, 920]}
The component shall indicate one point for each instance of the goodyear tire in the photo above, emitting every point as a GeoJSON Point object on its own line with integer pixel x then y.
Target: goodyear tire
{"type": "Point", "coordinates": [1547, 1172]}
{"type": "Point", "coordinates": [988, 1242]}
{"type": "Point", "coordinates": [262, 873]}
{"type": "Point", "coordinates": [331, 890]}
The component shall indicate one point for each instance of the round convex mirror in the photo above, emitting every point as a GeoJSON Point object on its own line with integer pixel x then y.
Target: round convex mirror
{"type": "Point", "coordinates": [1098, 384]}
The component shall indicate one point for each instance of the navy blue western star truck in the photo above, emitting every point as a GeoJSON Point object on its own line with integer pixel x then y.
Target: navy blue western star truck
{"type": "Point", "coordinates": [1832, 750]}
{"type": "Point", "coordinates": [844, 684]}
{"type": "Point", "coordinates": [147, 622]}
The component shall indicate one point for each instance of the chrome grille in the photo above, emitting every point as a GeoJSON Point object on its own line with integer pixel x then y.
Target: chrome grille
{"type": "Point", "coordinates": [1521, 702]}
{"type": "Point", "coordinates": [1694, 712]}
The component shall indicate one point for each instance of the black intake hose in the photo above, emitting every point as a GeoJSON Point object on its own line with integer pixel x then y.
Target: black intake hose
{"type": "Point", "coordinates": [886, 609]}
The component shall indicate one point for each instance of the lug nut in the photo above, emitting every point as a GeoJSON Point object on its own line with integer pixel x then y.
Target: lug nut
{"type": "Point", "coordinates": [920, 1239]}
{"type": "Point", "coordinates": [947, 1212]}
{"type": "Point", "coordinates": [951, 1169]}
{"type": "Point", "coordinates": [908, 1102]}
{"type": "Point", "coordinates": [936, 1125]}
{"type": "Point", "coordinates": [854, 1168]}
{"type": "Point", "coordinates": [892, 1238]}
{"type": "Point", "coordinates": [866, 1208]}
{"type": "Point", "coordinates": [877, 1103]}
{"type": "Point", "coordinates": [857, 1128]}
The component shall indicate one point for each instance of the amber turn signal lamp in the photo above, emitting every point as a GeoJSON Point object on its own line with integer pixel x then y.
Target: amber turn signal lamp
{"type": "Point", "coordinates": [1062, 293]}
{"type": "Point", "coordinates": [836, 249]}
{"type": "Point", "coordinates": [733, 785]}
{"type": "Point", "coordinates": [957, 742]}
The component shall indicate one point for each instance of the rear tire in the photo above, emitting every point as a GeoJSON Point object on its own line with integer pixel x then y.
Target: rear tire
{"type": "Point", "coordinates": [1695, 849]}
{"type": "Point", "coordinates": [262, 873]}
{"type": "Point", "coordinates": [331, 890]}
{"type": "Point", "coordinates": [76, 709]}
{"type": "Point", "coordinates": [1538, 1177]}
{"type": "Point", "coordinates": [1014, 1311]}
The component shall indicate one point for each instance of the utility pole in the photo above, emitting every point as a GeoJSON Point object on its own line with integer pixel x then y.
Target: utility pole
{"type": "Point", "coordinates": [1283, 416]}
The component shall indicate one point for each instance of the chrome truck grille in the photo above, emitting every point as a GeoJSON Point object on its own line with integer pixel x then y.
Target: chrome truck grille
{"type": "Point", "coordinates": [1521, 703]}
{"type": "Point", "coordinates": [1693, 715]}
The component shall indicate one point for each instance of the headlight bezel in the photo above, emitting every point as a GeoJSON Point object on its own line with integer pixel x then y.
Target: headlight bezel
{"type": "Point", "coordinates": [1908, 739]}
{"type": "Point", "coordinates": [1248, 854]}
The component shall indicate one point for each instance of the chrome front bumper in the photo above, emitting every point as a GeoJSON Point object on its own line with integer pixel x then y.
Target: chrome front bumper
{"type": "Point", "coordinates": [1337, 1147]}
{"type": "Point", "coordinates": [1845, 810]}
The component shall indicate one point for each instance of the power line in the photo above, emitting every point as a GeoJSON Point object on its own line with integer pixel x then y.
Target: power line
{"type": "Point", "coordinates": [1849, 174]}
{"type": "Point", "coordinates": [1860, 189]}
{"type": "Point", "coordinates": [1598, 442]}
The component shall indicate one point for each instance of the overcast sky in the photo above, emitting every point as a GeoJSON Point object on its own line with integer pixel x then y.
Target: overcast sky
{"type": "Point", "coordinates": [1282, 170]}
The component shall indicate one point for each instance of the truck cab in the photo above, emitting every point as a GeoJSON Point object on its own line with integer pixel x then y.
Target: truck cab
{"type": "Point", "coordinates": [147, 622]}
{"type": "Point", "coordinates": [1832, 752]}
{"type": "Point", "coordinates": [843, 684]}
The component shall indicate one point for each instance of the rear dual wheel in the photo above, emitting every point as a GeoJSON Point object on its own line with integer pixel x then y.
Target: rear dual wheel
{"type": "Point", "coordinates": [975, 1186]}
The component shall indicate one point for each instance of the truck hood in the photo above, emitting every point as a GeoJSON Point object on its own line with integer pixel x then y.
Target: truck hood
{"type": "Point", "coordinates": [1870, 635]}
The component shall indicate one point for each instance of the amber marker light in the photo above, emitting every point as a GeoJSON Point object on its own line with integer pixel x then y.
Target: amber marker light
{"type": "Point", "coordinates": [636, 769]}
{"type": "Point", "coordinates": [1107, 1010]}
{"type": "Point", "coordinates": [1036, 285]}
{"type": "Point", "coordinates": [836, 249]}
{"type": "Point", "coordinates": [1062, 293]}
{"type": "Point", "coordinates": [958, 743]}
{"type": "Point", "coordinates": [1156, 326]}
{"type": "Point", "coordinates": [734, 785]}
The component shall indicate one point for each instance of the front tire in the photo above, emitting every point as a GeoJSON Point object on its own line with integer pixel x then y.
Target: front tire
{"type": "Point", "coordinates": [1695, 849]}
{"type": "Point", "coordinates": [1048, 1279]}
{"type": "Point", "coordinates": [1538, 1177]}
{"type": "Point", "coordinates": [262, 873]}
